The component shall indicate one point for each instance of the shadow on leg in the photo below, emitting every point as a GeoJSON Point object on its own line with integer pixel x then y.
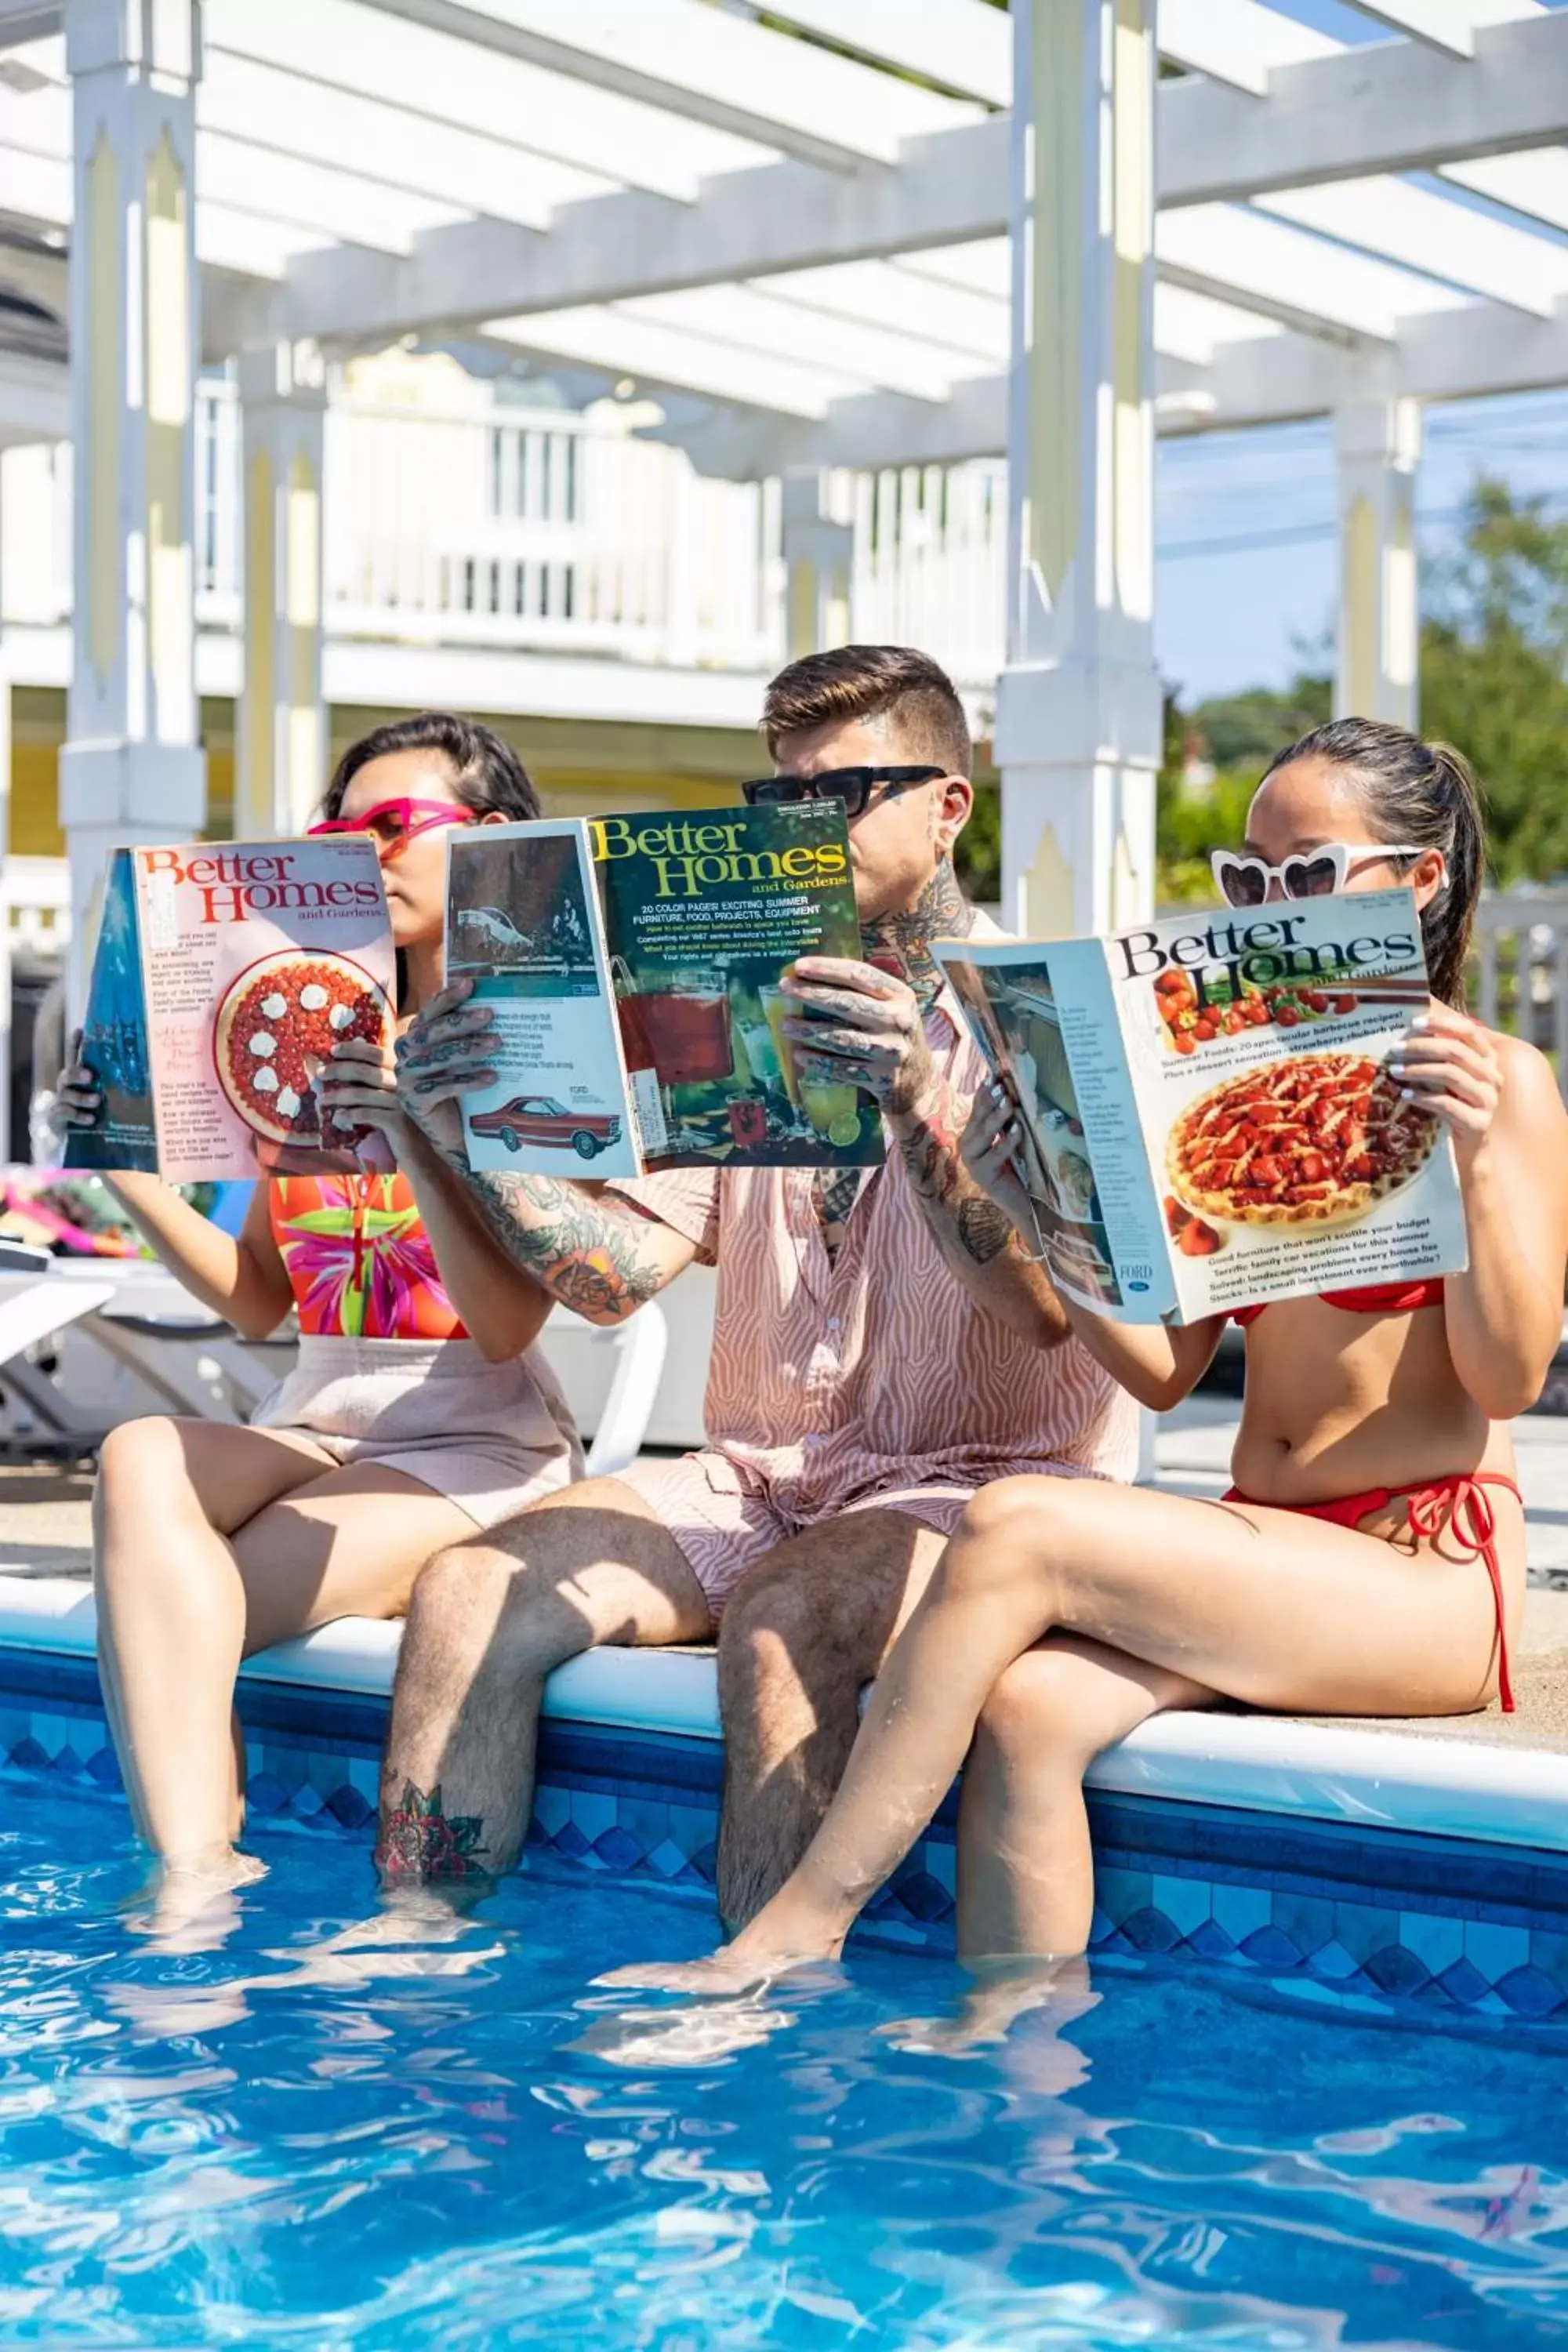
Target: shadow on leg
{"type": "Point", "coordinates": [800, 1639]}
{"type": "Point", "coordinates": [1026, 1868]}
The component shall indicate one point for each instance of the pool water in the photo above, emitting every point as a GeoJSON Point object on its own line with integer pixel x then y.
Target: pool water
{"type": "Point", "coordinates": [296, 2139]}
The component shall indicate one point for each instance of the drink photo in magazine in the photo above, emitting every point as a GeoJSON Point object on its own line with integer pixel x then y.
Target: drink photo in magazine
{"type": "Point", "coordinates": [1208, 1116]}
{"type": "Point", "coordinates": [224, 975]}
{"type": "Point", "coordinates": [631, 967]}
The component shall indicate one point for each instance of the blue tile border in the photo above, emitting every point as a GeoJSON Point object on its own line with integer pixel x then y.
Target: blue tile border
{"type": "Point", "coordinates": [1390, 1914]}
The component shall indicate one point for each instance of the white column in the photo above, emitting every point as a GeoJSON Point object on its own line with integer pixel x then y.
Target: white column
{"type": "Point", "coordinates": [131, 769]}
{"type": "Point", "coordinates": [1377, 446]}
{"type": "Point", "coordinates": [1078, 714]}
{"type": "Point", "coordinates": [282, 726]}
{"type": "Point", "coordinates": [818, 554]}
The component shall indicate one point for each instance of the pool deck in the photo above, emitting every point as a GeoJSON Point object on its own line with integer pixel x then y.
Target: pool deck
{"type": "Point", "coordinates": [44, 1532]}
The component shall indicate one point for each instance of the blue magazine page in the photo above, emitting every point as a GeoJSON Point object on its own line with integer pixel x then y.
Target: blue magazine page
{"type": "Point", "coordinates": [115, 1044]}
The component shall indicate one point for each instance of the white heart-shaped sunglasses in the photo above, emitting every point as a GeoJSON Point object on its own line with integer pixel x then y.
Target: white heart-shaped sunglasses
{"type": "Point", "coordinates": [1244, 880]}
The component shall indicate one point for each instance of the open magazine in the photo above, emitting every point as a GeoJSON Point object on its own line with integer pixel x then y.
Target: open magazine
{"type": "Point", "coordinates": [225, 974]}
{"type": "Point", "coordinates": [632, 968]}
{"type": "Point", "coordinates": [1208, 1118]}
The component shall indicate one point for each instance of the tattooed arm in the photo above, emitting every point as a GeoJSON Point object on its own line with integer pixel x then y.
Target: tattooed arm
{"type": "Point", "coordinates": [602, 1257]}
{"type": "Point", "coordinates": [976, 1238]}
{"type": "Point", "coordinates": [857, 1023]}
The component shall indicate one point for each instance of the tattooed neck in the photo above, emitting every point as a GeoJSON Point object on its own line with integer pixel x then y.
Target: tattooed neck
{"type": "Point", "coordinates": [941, 912]}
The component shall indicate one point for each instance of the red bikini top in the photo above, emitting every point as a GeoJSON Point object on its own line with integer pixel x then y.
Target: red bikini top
{"type": "Point", "coordinates": [1379, 1298]}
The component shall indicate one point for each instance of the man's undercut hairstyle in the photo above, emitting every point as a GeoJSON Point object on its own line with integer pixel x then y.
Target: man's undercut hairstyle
{"type": "Point", "coordinates": [889, 682]}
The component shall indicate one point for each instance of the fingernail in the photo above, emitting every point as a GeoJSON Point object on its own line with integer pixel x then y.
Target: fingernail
{"type": "Point", "coordinates": [1421, 1024]}
{"type": "Point", "coordinates": [1406, 1093]}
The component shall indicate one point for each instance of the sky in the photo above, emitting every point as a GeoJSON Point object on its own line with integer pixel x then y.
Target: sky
{"type": "Point", "coordinates": [1246, 551]}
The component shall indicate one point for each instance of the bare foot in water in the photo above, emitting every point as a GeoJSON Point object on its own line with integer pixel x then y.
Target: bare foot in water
{"type": "Point", "coordinates": [682, 2037]}
{"type": "Point", "coordinates": [190, 1905]}
{"type": "Point", "coordinates": [737, 1967]}
{"type": "Point", "coordinates": [1001, 1994]}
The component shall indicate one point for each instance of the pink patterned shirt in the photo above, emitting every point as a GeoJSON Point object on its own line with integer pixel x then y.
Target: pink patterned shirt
{"type": "Point", "coordinates": [833, 1378]}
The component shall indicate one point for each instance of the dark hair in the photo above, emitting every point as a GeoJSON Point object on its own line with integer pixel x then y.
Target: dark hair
{"type": "Point", "coordinates": [1424, 794]}
{"type": "Point", "coordinates": [873, 682]}
{"type": "Point", "coordinates": [486, 774]}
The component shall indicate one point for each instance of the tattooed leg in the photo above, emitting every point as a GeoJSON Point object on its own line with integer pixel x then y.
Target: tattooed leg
{"type": "Point", "coordinates": [487, 1623]}
{"type": "Point", "coordinates": [420, 1840]}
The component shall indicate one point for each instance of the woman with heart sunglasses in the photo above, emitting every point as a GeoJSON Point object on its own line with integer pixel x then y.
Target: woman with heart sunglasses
{"type": "Point", "coordinates": [416, 1411]}
{"type": "Point", "coordinates": [1370, 1558]}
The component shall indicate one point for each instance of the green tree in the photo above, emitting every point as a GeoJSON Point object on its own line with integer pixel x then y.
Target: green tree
{"type": "Point", "coordinates": [1244, 730]}
{"type": "Point", "coordinates": [1494, 673]}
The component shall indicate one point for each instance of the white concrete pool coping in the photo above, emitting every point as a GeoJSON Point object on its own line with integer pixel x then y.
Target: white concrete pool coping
{"type": "Point", "coordinates": [1269, 1764]}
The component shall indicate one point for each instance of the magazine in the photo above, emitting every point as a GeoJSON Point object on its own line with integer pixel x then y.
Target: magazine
{"type": "Point", "coordinates": [632, 965]}
{"type": "Point", "coordinates": [225, 974]}
{"type": "Point", "coordinates": [1208, 1119]}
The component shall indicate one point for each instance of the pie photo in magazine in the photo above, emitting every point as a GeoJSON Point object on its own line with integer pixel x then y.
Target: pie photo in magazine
{"type": "Point", "coordinates": [224, 975]}
{"type": "Point", "coordinates": [1208, 1116]}
{"type": "Point", "coordinates": [632, 966]}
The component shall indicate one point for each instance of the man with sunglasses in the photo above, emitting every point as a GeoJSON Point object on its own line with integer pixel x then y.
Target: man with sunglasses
{"type": "Point", "coordinates": [882, 1347]}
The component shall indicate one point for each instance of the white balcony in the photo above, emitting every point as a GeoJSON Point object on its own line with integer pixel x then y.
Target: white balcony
{"type": "Point", "coordinates": [468, 527]}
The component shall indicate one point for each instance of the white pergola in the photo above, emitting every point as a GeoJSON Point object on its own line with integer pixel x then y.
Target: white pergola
{"type": "Point", "coordinates": [1040, 244]}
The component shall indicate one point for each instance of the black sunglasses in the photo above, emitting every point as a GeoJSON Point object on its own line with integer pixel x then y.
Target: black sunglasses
{"type": "Point", "coordinates": [851, 785]}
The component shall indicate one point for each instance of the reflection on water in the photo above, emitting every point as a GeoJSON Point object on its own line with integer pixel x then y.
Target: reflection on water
{"type": "Point", "coordinates": [347, 2127]}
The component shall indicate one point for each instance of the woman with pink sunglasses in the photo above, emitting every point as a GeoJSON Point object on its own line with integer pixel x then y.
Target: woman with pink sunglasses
{"type": "Point", "coordinates": [417, 1409]}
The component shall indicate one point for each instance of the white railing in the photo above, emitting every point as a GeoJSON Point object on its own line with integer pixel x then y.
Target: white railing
{"type": "Point", "coordinates": [1521, 970]}
{"type": "Point", "coordinates": [532, 528]}
{"type": "Point", "coordinates": [930, 567]}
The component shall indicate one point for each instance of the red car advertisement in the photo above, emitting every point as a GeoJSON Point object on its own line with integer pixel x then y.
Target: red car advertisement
{"type": "Point", "coordinates": [539, 1119]}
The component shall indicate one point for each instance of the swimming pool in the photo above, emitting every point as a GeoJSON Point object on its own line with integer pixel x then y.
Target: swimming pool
{"type": "Point", "coordinates": [291, 2140]}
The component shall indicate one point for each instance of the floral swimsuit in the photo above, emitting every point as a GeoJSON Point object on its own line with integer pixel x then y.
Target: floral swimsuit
{"type": "Point", "coordinates": [360, 1261]}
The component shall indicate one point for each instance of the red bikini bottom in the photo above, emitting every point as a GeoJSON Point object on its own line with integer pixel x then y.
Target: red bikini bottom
{"type": "Point", "coordinates": [1470, 1521]}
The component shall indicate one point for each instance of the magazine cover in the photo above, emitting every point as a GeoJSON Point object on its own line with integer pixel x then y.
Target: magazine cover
{"type": "Point", "coordinates": [522, 923]}
{"type": "Point", "coordinates": [634, 965]}
{"type": "Point", "coordinates": [224, 973]}
{"type": "Point", "coordinates": [1209, 1118]}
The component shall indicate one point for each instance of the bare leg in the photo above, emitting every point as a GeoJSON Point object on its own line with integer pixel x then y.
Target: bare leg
{"type": "Point", "coordinates": [204, 1554]}
{"type": "Point", "coordinates": [169, 1606]}
{"type": "Point", "coordinates": [487, 1622]}
{"type": "Point", "coordinates": [1278, 1609]}
{"type": "Point", "coordinates": [1026, 1870]}
{"type": "Point", "coordinates": [802, 1635]}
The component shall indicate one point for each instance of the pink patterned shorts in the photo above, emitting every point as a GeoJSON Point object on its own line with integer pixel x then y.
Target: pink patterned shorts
{"type": "Point", "coordinates": [725, 1523]}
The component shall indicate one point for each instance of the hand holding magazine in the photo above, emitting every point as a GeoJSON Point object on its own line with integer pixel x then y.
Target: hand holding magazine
{"type": "Point", "coordinates": [1208, 1118]}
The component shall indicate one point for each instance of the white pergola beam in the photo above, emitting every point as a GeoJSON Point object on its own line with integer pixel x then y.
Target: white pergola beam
{"type": "Point", "coordinates": [27, 20]}
{"type": "Point", "coordinates": [1397, 105]}
{"type": "Point", "coordinates": [695, 62]}
{"type": "Point", "coordinates": [1425, 231]}
{"type": "Point", "coordinates": [1446, 25]}
{"type": "Point", "coordinates": [1392, 107]}
{"type": "Point", "coordinates": [1481, 351]}
{"type": "Point", "coordinates": [964, 45]}
{"type": "Point", "coordinates": [1289, 273]}
{"type": "Point", "coordinates": [1534, 185]}
{"type": "Point", "coordinates": [1236, 41]}
{"type": "Point", "coordinates": [748, 225]}
{"type": "Point", "coordinates": [565, 137]}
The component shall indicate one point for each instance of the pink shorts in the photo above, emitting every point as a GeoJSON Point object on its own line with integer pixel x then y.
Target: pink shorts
{"type": "Point", "coordinates": [725, 1523]}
